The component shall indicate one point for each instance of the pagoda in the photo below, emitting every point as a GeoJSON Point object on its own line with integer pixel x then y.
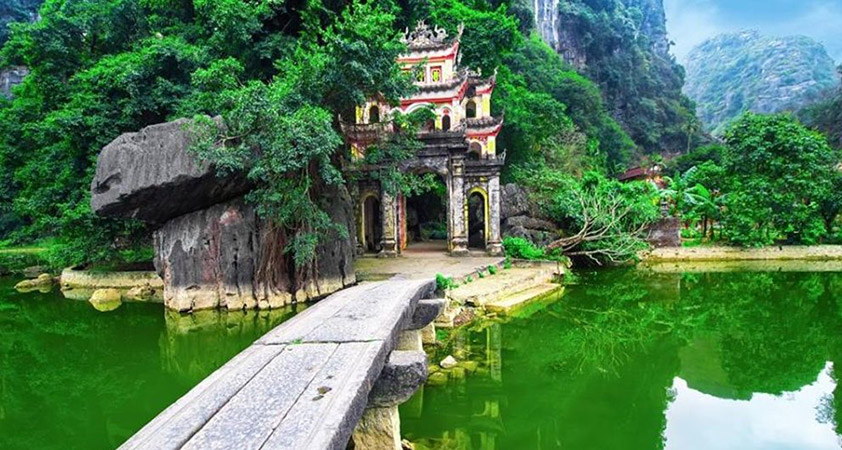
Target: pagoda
{"type": "Point", "coordinates": [459, 145]}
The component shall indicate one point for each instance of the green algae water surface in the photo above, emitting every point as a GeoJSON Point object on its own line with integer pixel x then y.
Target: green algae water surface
{"type": "Point", "coordinates": [631, 359]}
{"type": "Point", "coordinates": [75, 378]}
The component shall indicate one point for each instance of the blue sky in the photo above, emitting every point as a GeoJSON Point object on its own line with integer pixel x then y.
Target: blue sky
{"type": "Point", "coordinates": [691, 22]}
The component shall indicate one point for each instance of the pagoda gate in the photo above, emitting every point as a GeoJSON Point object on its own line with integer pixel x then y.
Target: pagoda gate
{"type": "Point", "coordinates": [459, 146]}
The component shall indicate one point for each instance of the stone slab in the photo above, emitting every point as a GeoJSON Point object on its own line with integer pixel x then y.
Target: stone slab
{"type": "Point", "coordinates": [426, 312]}
{"type": "Point", "coordinates": [305, 385]}
{"type": "Point", "coordinates": [249, 418]}
{"type": "Point", "coordinates": [403, 374]}
{"type": "Point", "coordinates": [177, 424]}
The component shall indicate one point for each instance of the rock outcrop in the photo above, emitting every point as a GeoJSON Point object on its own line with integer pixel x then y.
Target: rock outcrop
{"type": "Point", "coordinates": [152, 176]}
{"type": "Point", "coordinates": [738, 72]}
{"type": "Point", "coordinates": [522, 219]}
{"type": "Point", "coordinates": [211, 248]}
{"type": "Point", "coordinates": [10, 78]}
{"type": "Point", "coordinates": [214, 258]}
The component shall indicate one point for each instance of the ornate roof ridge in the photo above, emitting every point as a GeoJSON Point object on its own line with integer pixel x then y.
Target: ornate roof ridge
{"type": "Point", "coordinates": [425, 38]}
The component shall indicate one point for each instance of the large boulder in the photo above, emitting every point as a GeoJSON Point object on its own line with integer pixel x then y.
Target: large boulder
{"type": "Point", "coordinates": [225, 256]}
{"type": "Point", "coordinates": [514, 201]}
{"type": "Point", "coordinates": [151, 175]}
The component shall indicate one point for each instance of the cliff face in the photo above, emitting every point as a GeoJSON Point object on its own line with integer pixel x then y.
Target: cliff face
{"type": "Point", "coordinates": [735, 73]}
{"type": "Point", "coordinates": [14, 11]}
{"type": "Point", "coordinates": [622, 45]}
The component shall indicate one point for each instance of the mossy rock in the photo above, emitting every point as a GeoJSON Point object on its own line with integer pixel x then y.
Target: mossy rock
{"type": "Point", "coordinates": [437, 379]}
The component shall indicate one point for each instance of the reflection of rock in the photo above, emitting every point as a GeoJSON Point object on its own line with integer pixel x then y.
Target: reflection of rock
{"type": "Point", "coordinates": [184, 345]}
{"type": "Point", "coordinates": [44, 283]}
{"type": "Point", "coordinates": [140, 293]}
{"type": "Point", "coordinates": [106, 299]}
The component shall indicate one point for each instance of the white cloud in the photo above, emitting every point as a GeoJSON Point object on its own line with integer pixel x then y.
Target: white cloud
{"type": "Point", "coordinates": [821, 20]}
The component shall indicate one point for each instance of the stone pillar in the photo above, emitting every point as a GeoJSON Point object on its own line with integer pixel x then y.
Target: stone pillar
{"type": "Point", "coordinates": [495, 243]}
{"type": "Point", "coordinates": [379, 428]}
{"type": "Point", "coordinates": [388, 242]}
{"type": "Point", "coordinates": [459, 234]}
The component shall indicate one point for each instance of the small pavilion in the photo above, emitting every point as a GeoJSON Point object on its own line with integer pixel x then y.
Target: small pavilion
{"type": "Point", "coordinates": [459, 146]}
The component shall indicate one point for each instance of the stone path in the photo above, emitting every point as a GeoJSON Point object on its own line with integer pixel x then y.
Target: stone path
{"type": "Point", "coordinates": [422, 261]}
{"type": "Point", "coordinates": [306, 384]}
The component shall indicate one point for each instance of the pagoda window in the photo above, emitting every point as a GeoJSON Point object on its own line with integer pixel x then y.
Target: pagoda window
{"type": "Point", "coordinates": [374, 115]}
{"type": "Point", "coordinates": [422, 76]}
{"type": "Point", "coordinates": [435, 74]}
{"type": "Point", "coordinates": [445, 123]}
{"type": "Point", "coordinates": [474, 151]}
{"type": "Point", "coordinates": [471, 110]}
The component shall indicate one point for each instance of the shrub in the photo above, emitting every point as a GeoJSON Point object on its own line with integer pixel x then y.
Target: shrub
{"type": "Point", "coordinates": [444, 283]}
{"type": "Point", "coordinates": [492, 270]}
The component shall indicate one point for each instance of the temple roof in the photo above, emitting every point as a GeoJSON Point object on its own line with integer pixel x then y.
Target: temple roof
{"type": "Point", "coordinates": [423, 38]}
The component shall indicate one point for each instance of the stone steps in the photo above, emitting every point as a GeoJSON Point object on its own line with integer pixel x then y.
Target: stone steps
{"type": "Point", "coordinates": [516, 303]}
{"type": "Point", "coordinates": [505, 283]}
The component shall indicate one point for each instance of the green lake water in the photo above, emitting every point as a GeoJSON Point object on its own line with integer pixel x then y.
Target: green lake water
{"type": "Point", "coordinates": [75, 378]}
{"type": "Point", "coordinates": [630, 359]}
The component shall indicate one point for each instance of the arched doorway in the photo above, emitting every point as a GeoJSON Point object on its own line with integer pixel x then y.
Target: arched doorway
{"type": "Point", "coordinates": [477, 220]}
{"type": "Point", "coordinates": [445, 123]}
{"type": "Point", "coordinates": [374, 115]}
{"type": "Point", "coordinates": [471, 110]}
{"type": "Point", "coordinates": [372, 224]}
{"type": "Point", "coordinates": [425, 221]}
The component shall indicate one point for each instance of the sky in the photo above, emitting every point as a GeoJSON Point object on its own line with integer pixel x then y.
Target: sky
{"type": "Point", "coordinates": [691, 22]}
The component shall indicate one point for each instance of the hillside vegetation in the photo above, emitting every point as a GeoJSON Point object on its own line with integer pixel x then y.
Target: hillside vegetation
{"type": "Point", "coordinates": [622, 46]}
{"type": "Point", "coordinates": [747, 72]}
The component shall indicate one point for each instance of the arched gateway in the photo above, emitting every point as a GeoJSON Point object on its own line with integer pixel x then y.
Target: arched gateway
{"type": "Point", "coordinates": [459, 146]}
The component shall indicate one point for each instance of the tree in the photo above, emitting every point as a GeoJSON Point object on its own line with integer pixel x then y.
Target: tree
{"type": "Point", "coordinates": [779, 173]}
{"type": "Point", "coordinates": [605, 219]}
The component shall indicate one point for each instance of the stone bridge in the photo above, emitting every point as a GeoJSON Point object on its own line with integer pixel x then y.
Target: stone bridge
{"type": "Point", "coordinates": [333, 374]}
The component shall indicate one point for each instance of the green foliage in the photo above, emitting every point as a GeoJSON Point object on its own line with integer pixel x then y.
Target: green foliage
{"type": "Point", "coordinates": [444, 283]}
{"type": "Point", "coordinates": [605, 220]}
{"type": "Point", "coordinates": [520, 248]}
{"type": "Point", "coordinates": [16, 11]}
{"type": "Point", "coordinates": [553, 112]}
{"type": "Point", "coordinates": [780, 174]}
{"type": "Point", "coordinates": [492, 270]}
{"type": "Point", "coordinates": [624, 50]}
{"type": "Point", "coordinates": [777, 182]}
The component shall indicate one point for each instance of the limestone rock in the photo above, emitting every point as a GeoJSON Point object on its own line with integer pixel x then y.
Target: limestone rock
{"type": "Point", "coordinates": [140, 293]}
{"type": "Point", "coordinates": [449, 362]}
{"type": "Point", "coordinates": [211, 258]}
{"type": "Point", "coordinates": [514, 201]}
{"type": "Point", "coordinates": [34, 271]}
{"type": "Point", "coordinates": [665, 233]}
{"type": "Point", "coordinates": [106, 299]}
{"type": "Point", "coordinates": [437, 379]}
{"type": "Point", "coordinates": [151, 175]}
{"type": "Point", "coordinates": [11, 77]}
{"type": "Point", "coordinates": [530, 223]}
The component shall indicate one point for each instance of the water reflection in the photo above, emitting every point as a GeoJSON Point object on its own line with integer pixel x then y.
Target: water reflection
{"type": "Point", "coordinates": [632, 359]}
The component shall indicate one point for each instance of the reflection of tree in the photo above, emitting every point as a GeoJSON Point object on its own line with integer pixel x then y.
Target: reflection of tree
{"type": "Point", "coordinates": [72, 377]}
{"type": "Point", "coordinates": [594, 369]}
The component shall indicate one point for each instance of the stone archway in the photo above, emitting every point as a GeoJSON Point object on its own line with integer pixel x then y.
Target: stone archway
{"type": "Point", "coordinates": [477, 219]}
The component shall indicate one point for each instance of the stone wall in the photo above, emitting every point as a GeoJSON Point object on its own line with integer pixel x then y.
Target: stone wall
{"type": "Point", "coordinates": [665, 233]}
